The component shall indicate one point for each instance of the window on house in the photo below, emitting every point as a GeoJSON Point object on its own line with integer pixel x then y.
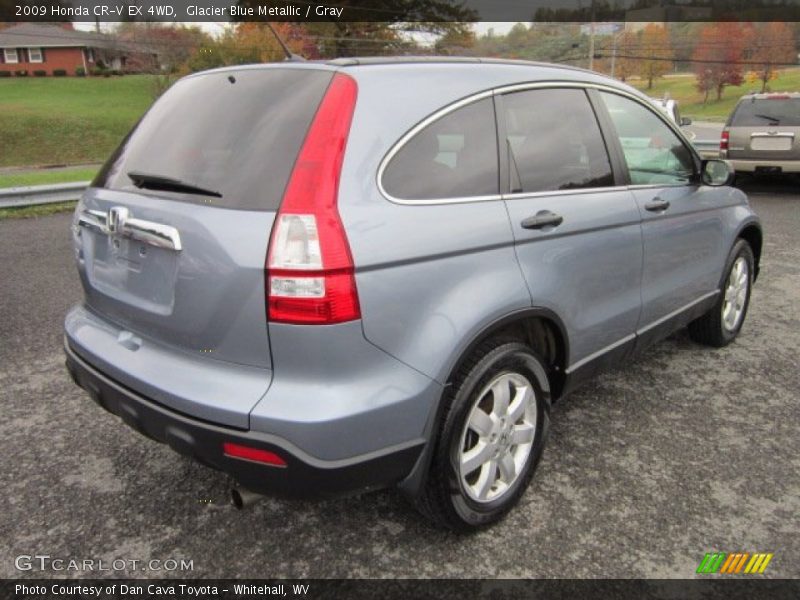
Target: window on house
{"type": "Point", "coordinates": [10, 55]}
{"type": "Point", "coordinates": [35, 55]}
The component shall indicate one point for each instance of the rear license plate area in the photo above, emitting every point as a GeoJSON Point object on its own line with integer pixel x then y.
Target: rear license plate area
{"type": "Point", "coordinates": [771, 143]}
{"type": "Point", "coordinates": [131, 271]}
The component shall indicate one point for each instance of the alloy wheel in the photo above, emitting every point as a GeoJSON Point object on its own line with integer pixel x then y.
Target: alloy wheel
{"type": "Point", "coordinates": [498, 437]}
{"type": "Point", "coordinates": [736, 294]}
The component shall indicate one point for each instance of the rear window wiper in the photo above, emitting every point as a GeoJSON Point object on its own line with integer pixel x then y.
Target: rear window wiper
{"type": "Point", "coordinates": [775, 120]}
{"type": "Point", "coordinates": [168, 184]}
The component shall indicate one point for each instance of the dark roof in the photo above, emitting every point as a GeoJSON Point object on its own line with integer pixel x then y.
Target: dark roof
{"type": "Point", "coordinates": [37, 35]}
{"type": "Point", "coordinates": [770, 95]}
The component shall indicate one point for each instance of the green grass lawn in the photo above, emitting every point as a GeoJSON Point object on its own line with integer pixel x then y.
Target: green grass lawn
{"type": "Point", "coordinates": [40, 210]}
{"type": "Point", "coordinates": [68, 120]}
{"type": "Point", "coordinates": [690, 101]}
{"type": "Point", "coordinates": [71, 120]}
{"type": "Point", "coordinates": [45, 176]}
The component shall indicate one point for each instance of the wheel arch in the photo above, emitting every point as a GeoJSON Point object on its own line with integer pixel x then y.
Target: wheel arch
{"type": "Point", "coordinates": [519, 325]}
{"type": "Point", "coordinates": [540, 328]}
{"type": "Point", "coordinates": [751, 233]}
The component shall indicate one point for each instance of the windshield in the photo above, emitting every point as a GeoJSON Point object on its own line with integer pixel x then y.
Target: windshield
{"type": "Point", "coordinates": [766, 112]}
{"type": "Point", "coordinates": [233, 133]}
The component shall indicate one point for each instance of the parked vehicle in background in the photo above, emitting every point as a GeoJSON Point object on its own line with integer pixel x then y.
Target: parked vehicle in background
{"type": "Point", "coordinates": [762, 134]}
{"type": "Point", "coordinates": [670, 108]}
{"type": "Point", "coordinates": [331, 277]}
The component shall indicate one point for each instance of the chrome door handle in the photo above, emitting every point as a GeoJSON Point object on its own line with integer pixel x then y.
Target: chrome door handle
{"type": "Point", "coordinates": [542, 219]}
{"type": "Point", "coordinates": [119, 221]}
{"type": "Point", "coordinates": [656, 205]}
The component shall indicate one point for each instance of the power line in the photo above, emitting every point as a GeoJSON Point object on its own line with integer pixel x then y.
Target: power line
{"type": "Point", "coordinates": [708, 61]}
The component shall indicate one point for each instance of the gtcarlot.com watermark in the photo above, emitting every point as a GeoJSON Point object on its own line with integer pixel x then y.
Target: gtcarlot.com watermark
{"type": "Point", "coordinates": [45, 562]}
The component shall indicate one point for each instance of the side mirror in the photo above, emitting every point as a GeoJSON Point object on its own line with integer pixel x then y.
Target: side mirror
{"type": "Point", "coordinates": [717, 172]}
{"type": "Point", "coordinates": [685, 121]}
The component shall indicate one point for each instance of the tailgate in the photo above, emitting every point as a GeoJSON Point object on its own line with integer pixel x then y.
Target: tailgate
{"type": "Point", "coordinates": [762, 143]}
{"type": "Point", "coordinates": [205, 298]}
{"type": "Point", "coordinates": [171, 239]}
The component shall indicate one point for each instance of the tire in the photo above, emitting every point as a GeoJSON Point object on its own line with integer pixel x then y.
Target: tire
{"type": "Point", "coordinates": [713, 329]}
{"type": "Point", "coordinates": [463, 500]}
{"type": "Point", "coordinates": [740, 179]}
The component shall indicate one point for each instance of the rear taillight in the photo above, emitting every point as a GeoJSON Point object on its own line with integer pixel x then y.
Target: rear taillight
{"type": "Point", "coordinates": [723, 141]}
{"type": "Point", "coordinates": [310, 276]}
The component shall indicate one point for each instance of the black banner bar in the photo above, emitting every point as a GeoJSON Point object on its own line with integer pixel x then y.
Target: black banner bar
{"type": "Point", "coordinates": [730, 588]}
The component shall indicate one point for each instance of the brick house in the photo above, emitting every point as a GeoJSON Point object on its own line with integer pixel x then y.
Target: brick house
{"type": "Point", "coordinates": [43, 47]}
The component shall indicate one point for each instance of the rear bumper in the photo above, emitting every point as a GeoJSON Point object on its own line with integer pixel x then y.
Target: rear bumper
{"type": "Point", "coordinates": [303, 474]}
{"type": "Point", "coordinates": [750, 166]}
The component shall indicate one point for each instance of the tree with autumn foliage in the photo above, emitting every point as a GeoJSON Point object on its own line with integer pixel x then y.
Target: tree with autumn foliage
{"type": "Point", "coordinates": [252, 42]}
{"type": "Point", "coordinates": [655, 51]}
{"type": "Point", "coordinates": [619, 54]}
{"type": "Point", "coordinates": [773, 45]}
{"type": "Point", "coordinates": [359, 33]}
{"type": "Point", "coordinates": [339, 39]}
{"type": "Point", "coordinates": [173, 44]}
{"type": "Point", "coordinates": [718, 57]}
{"type": "Point", "coordinates": [457, 41]}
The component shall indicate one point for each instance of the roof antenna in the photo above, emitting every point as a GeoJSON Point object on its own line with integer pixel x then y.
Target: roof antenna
{"type": "Point", "coordinates": [290, 56]}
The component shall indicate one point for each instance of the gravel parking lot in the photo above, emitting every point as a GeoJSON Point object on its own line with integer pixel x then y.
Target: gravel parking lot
{"type": "Point", "coordinates": [685, 451]}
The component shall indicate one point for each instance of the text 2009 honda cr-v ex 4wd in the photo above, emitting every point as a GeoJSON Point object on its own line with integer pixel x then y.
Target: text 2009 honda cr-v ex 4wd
{"type": "Point", "coordinates": [332, 277]}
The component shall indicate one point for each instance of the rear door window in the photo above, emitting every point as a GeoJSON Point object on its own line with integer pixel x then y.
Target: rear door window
{"type": "Point", "coordinates": [234, 132]}
{"type": "Point", "coordinates": [653, 152]}
{"type": "Point", "coordinates": [767, 112]}
{"type": "Point", "coordinates": [554, 142]}
{"type": "Point", "coordinates": [453, 157]}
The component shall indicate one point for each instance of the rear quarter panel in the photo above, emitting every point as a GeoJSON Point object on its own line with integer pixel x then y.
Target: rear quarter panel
{"type": "Point", "coordinates": [430, 277]}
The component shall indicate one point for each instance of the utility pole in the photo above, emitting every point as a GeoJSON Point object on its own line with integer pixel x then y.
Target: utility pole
{"type": "Point", "coordinates": [615, 39]}
{"type": "Point", "coordinates": [614, 58]}
{"type": "Point", "coordinates": [591, 40]}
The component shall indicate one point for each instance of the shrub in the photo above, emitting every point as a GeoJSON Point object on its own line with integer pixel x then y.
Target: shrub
{"type": "Point", "coordinates": [59, 73]}
{"type": "Point", "coordinates": [117, 72]}
{"type": "Point", "coordinates": [80, 72]}
{"type": "Point", "coordinates": [40, 73]}
{"type": "Point", "coordinates": [21, 73]}
{"type": "Point", "coordinates": [5, 73]}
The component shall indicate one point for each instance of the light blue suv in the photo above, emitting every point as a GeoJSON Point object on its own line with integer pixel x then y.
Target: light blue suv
{"type": "Point", "coordinates": [333, 277]}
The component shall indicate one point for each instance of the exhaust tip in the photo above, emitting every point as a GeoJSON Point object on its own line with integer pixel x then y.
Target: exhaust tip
{"type": "Point", "coordinates": [241, 497]}
{"type": "Point", "coordinates": [236, 499]}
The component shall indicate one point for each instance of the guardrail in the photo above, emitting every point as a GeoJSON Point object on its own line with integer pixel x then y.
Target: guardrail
{"type": "Point", "coordinates": [707, 148]}
{"type": "Point", "coordinates": [41, 194]}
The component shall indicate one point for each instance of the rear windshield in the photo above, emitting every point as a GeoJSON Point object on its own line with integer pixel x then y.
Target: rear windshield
{"type": "Point", "coordinates": [766, 112]}
{"type": "Point", "coordinates": [236, 133]}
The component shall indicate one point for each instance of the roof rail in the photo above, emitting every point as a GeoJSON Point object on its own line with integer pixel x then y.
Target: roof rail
{"type": "Point", "coordinates": [396, 60]}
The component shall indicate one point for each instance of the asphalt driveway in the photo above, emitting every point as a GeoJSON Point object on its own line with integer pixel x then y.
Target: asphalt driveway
{"type": "Point", "coordinates": [685, 451]}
